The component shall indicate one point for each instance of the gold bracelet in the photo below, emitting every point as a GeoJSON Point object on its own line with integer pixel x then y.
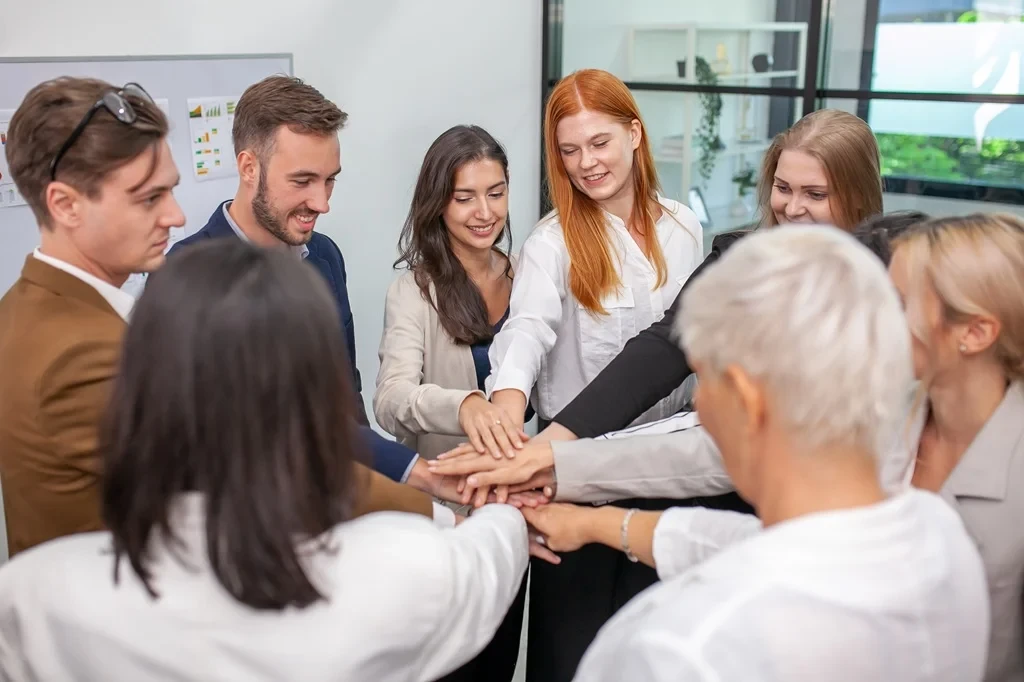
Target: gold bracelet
{"type": "Point", "coordinates": [625, 535]}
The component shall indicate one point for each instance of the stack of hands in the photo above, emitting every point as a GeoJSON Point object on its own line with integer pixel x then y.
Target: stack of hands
{"type": "Point", "coordinates": [501, 464]}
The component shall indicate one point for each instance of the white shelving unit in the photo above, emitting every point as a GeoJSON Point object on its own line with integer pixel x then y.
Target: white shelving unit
{"type": "Point", "coordinates": [654, 51]}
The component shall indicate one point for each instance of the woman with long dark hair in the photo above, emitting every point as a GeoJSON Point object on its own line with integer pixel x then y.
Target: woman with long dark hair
{"type": "Point", "coordinates": [439, 319]}
{"type": "Point", "coordinates": [442, 313]}
{"type": "Point", "coordinates": [231, 489]}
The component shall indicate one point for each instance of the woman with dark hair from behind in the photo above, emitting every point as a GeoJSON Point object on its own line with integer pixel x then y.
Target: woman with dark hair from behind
{"type": "Point", "coordinates": [439, 319]}
{"type": "Point", "coordinates": [231, 489]}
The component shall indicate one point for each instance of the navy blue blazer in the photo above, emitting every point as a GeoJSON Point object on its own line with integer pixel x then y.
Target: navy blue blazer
{"type": "Point", "coordinates": [389, 458]}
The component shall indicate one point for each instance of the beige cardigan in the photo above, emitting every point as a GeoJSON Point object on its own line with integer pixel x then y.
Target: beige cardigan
{"type": "Point", "coordinates": [424, 375]}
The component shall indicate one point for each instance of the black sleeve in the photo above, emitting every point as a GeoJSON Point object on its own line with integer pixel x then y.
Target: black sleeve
{"type": "Point", "coordinates": [650, 366]}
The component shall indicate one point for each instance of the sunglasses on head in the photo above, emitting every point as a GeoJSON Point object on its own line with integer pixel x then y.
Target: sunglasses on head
{"type": "Point", "coordinates": [115, 102]}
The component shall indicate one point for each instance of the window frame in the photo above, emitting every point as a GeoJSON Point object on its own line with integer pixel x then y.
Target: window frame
{"type": "Point", "coordinates": [811, 94]}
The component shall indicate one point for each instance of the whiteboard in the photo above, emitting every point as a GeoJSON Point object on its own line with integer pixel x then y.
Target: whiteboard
{"type": "Point", "coordinates": [175, 79]}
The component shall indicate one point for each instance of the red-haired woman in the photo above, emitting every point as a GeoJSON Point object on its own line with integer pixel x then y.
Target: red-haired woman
{"type": "Point", "coordinates": [604, 265]}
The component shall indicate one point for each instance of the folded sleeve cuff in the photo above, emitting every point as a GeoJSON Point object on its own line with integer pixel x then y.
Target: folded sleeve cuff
{"type": "Point", "coordinates": [443, 516]}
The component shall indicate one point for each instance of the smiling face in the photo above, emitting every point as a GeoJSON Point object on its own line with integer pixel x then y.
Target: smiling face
{"type": "Point", "coordinates": [478, 210]}
{"type": "Point", "coordinates": [800, 192]}
{"type": "Point", "coordinates": [597, 153]}
{"type": "Point", "coordinates": [295, 184]}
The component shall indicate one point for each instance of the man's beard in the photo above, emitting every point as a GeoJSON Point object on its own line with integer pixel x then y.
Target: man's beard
{"type": "Point", "coordinates": [269, 221]}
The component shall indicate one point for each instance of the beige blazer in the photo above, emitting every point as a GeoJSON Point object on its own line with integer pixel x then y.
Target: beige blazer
{"type": "Point", "coordinates": [424, 375]}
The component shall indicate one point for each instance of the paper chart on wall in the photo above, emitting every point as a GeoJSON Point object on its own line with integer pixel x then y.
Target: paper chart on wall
{"type": "Point", "coordinates": [209, 122]}
{"type": "Point", "coordinates": [9, 195]}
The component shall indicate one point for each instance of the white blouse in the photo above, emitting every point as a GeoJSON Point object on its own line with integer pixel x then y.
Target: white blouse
{"type": "Point", "coordinates": [551, 347]}
{"type": "Point", "coordinates": [893, 592]}
{"type": "Point", "coordinates": [406, 602]}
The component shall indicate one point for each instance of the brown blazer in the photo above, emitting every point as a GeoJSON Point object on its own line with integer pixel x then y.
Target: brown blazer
{"type": "Point", "coordinates": [60, 343]}
{"type": "Point", "coordinates": [59, 347]}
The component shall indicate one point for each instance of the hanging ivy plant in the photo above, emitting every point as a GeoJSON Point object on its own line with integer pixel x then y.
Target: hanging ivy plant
{"type": "Point", "coordinates": [707, 131]}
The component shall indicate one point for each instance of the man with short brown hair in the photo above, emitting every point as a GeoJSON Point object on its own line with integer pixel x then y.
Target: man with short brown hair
{"type": "Point", "coordinates": [288, 155]}
{"type": "Point", "coordinates": [93, 164]}
{"type": "Point", "coordinates": [285, 134]}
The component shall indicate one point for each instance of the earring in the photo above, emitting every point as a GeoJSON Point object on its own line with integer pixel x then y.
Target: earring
{"type": "Point", "coordinates": [963, 348]}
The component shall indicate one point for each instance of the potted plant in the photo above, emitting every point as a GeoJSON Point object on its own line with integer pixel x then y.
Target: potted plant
{"type": "Point", "coordinates": [707, 132]}
{"type": "Point", "coordinates": [744, 181]}
{"type": "Point", "coordinates": [708, 140]}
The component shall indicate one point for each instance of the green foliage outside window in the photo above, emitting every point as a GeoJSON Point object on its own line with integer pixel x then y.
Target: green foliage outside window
{"type": "Point", "coordinates": [954, 159]}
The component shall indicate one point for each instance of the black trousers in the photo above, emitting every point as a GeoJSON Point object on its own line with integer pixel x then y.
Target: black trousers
{"type": "Point", "coordinates": [570, 602]}
{"type": "Point", "coordinates": [497, 662]}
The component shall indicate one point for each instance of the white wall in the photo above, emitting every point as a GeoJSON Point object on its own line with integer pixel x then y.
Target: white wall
{"type": "Point", "coordinates": [404, 70]}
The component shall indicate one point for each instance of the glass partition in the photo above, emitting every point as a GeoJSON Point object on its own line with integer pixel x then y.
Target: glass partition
{"type": "Point", "coordinates": [939, 81]}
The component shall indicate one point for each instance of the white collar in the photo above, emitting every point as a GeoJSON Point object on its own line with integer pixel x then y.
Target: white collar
{"type": "Point", "coordinates": [121, 301]}
{"type": "Point", "coordinates": [667, 206]}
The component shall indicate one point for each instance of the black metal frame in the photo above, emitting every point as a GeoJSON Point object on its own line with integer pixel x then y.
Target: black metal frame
{"type": "Point", "coordinates": [810, 93]}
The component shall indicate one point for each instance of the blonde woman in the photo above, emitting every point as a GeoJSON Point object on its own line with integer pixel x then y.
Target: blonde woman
{"type": "Point", "coordinates": [962, 281]}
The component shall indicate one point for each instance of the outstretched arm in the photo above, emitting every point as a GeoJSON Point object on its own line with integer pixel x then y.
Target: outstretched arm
{"type": "Point", "coordinates": [518, 350]}
{"type": "Point", "coordinates": [680, 464]}
{"type": "Point", "coordinates": [671, 541]}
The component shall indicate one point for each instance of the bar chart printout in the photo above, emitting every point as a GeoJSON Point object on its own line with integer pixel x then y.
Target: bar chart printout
{"type": "Point", "coordinates": [209, 121]}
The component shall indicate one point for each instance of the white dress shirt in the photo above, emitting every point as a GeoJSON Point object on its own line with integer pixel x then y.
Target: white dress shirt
{"type": "Point", "coordinates": [406, 601]}
{"type": "Point", "coordinates": [121, 301]}
{"type": "Point", "coordinates": [551, 346]}
{"type": "Point", "coordinates": [893, 592]}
